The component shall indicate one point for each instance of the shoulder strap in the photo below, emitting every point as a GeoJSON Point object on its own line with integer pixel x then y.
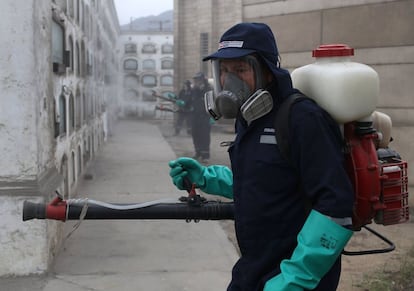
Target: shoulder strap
{"type": "Point", "coordinates": [282, 122]}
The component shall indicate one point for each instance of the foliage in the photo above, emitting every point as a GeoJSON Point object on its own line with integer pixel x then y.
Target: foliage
{"type": "Point", "coordinates": [401, 279]}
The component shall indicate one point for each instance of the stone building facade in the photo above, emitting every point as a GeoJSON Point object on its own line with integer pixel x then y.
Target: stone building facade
{"type": "Point", "coordinates": [58, 68]}
{"type": "Point", "coordinates": [380, 31]}
{"type": "Point", "coordinates": [147, 65]}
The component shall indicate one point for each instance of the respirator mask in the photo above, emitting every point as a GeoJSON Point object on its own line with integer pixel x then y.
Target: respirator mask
{"type": "Point", "coordinates": [231, 95]}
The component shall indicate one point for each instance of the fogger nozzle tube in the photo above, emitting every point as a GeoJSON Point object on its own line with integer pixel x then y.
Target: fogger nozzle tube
{"type": "Point", "coordinates": [33, 210]}
{"type": "Point", "coordinates": [210, 210]}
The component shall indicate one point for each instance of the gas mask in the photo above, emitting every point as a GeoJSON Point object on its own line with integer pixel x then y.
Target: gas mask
{"type": "Point", "coordinates": [232, 95]}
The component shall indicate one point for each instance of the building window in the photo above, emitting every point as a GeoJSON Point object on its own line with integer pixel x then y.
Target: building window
{"type": "Point", "coordinates": [57, 42]}
{"type": "Point", "coordinates": [79, 160]}
{"type": "Point", "coordinates": [82, 16]}
{"type": "Point", "coordinates": [73, 168]}
{"type": "Point", "coordinates": [149, 48]}
{"type": "Point", "coordinates": [131, 81]}
{"type": "Point", "coordinates": [70, 8]}
{"type": "Point", "coordinates": [87, 107]}
{"type": "Point", "coordinates": [58, 47]}
{"type": "Point", "coordinates": [71, 112]}
{"type": "Point", "coordinates": [78, 63]}
{"type": "Point", "coordinates": [167, 64]}
{"type": "Point", "coordinates": [91, 106]}
{"type": "Point", "coordinates": [78, 107]}
{"type": "Point", "coordinates": [167, 49]}
{"type": "Point", "coordinates": [89, 61]}
{"type": "Point", "coordinates": [62, 114]}
{"type": "Point", "coordinates": [83, 60]}
{"type": "Point", "coordinates": [148, 65]}
{"type": "Point", "coordinates": [131, 65]}
{"type": "Point", "coordinates": [149, 81]}
{"type": "Point", "coordinates": [77, 14]}
{"type": "Point", "coordinates": [70, 47]}
{"type": "Point", "coordinates": [166, 80]}
{"type": "Point", "coordinates": [64, 172]}
{"type": "Point", "coordinates": [56, 119]}
{"type": "Point", "coordinates": [90, 147]}
{"type": "Point", "coordinates": [86, 17]}
{"type": "Point", "coordinates": [85, 151]}
{"type": "Point", "coordinates": [130, 48]}
{"type": "Point", "coordinates": [84, 107]}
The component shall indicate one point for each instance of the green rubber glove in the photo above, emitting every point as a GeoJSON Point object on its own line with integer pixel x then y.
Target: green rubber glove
{"type": "Point", "coordinates": [180, 103]}
{"type": "Point", "coordinates": [215, 179]}
{"type": "Point", "coordinates": [320, 243]}
{"type": "Point", "coordinates": [172, 96]}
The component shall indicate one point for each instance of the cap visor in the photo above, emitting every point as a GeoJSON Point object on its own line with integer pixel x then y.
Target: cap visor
{"type": "Point", "coordinates": [229, 53]}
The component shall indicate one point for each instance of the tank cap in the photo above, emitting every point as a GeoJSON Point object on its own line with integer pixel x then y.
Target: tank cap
{"type": "Point", "coordinates": [332, 50]}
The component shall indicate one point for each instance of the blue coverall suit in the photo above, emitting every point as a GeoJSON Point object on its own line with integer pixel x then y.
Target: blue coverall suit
{"type": "Point", "coordinates": [271, 193]}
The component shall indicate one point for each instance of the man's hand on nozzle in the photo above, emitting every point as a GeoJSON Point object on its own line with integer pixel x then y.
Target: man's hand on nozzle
{"type": "Point", "coordinates": [187, 167]}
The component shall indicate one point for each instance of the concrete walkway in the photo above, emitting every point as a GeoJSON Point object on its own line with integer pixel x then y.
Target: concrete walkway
{"type": "Point", "coordinates": [136, 254]}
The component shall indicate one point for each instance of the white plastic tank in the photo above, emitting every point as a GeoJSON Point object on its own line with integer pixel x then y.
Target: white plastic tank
{"type": "Point", "coordinates": [346, 89]}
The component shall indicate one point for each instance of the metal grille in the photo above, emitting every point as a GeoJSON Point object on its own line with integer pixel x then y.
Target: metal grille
{"type": "Point", "coordinates": [204, 44]}
{"type": "Point", "coordinates": [204, 51]}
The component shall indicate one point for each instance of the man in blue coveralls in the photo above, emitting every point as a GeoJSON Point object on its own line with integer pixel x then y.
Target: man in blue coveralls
{"type": "Point", "coordinates": [292, 217]}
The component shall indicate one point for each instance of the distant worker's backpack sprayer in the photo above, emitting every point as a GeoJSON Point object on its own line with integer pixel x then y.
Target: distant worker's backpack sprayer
{"type": "Point", "coordinates": [348, 91]}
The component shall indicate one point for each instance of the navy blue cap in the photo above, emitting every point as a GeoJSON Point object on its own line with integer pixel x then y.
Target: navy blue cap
{"type": "Point", "coordinates": [247, 38]}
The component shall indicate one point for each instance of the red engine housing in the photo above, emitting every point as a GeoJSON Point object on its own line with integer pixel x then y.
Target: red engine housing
{"type": "Point", "coordinates": [380, 187]}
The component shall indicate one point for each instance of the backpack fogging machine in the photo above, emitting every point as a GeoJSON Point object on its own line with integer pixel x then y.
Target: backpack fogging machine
{"type": "Point", "coordinates": [349, 91]}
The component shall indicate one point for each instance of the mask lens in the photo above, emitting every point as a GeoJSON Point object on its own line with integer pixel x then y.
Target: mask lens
{"type": "Point", "coordinates": [238, 87]}
{"type": "Point", "coordinates": [216, 76]}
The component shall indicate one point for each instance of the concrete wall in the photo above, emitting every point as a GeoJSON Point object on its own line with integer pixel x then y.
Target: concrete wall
{"type": "Point", "coordinates": [26, 148]}
{"type": "Point", "coordinates": [33, 158]}
{"type": "Point", "coordinates": [20, 97]}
